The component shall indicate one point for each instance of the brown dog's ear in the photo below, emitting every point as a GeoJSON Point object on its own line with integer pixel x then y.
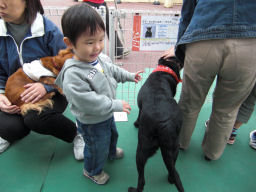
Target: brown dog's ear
{"type": "Point", "coordinates": [64, 52]}
{"type": "Point", "coordinates": [48, 63]}
{"type": "Point", "coordinates": [60, 59]}
{"type": "Point", "coordinates": [55, 64]}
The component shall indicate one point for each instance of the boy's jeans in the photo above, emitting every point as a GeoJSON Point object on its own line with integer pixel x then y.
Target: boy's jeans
{"type": "Point", "coordinates": [100, 143]}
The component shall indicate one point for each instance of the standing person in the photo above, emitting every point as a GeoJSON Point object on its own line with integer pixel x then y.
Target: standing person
{"type": "Point", "coordinates": [243, 116]}
{"type": "Point", "coordinates": [217, 43]}
{"type": "Point", "coordinates": [120, 52]}
{"type": "Point", "coordinates": [26, 35]}
{"type": "Point", "coordinates": [89, 81]}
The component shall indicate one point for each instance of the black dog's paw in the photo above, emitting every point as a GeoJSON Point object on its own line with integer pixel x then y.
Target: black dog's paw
{"type": "Point", "coordinates": [171, 181]}
{"type": "Point", "coordinates": [136, 124]}
{"type": "Point", "coordinates": [132, 189]}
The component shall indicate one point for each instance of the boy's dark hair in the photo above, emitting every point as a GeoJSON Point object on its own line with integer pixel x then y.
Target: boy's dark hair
{"type": "Point", "coordinates": [31, 10]}
{"type": "Point", "coordinates": [78, 19]}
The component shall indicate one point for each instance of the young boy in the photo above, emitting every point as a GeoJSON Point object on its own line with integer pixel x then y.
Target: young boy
{"type": "Point", "coordinates": [89, 81]}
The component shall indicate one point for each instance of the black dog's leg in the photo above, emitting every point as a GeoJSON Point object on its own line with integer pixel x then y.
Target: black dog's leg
{"type": "Point", "coordinates": [169, 160]}
{"type": "Point", "coordinates": [141, 159]}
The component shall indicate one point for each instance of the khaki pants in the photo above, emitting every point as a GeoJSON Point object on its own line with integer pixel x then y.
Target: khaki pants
{"type": "Point", "coordinates": [233, 63]}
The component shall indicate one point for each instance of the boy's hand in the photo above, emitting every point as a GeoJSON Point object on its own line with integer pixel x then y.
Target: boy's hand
{"type": "Point", "coordinates": [137, 76]}
{"type": "Point", "coordinates": [126, 107]}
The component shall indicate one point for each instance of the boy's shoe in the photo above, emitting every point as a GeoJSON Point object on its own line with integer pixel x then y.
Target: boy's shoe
{"type": "Point", "coordinates": [231, 139]}
{"type": "Point", "coordinates": [253, 139]}
{"type": "Point", "coordinates": [119, 153]}
{"type": "Point", "coordinates": [3, 144]}
{"type": "Point", "coordinates": [100, 179]}
{"type": "Point", "coordinates": [78, 147]}
{"type": "Point", "coordinates": [125, 53]}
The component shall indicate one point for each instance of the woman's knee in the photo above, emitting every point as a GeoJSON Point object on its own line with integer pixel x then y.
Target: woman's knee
{"type": "Point", "coordinates": [12, 127]}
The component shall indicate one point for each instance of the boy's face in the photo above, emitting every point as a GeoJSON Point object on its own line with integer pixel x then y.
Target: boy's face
{"type": "Point", "coordinates": [88, 47]}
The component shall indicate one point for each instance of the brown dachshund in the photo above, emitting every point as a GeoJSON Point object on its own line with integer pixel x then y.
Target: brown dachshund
{"type": "Point", "coordinates": [15, 83]}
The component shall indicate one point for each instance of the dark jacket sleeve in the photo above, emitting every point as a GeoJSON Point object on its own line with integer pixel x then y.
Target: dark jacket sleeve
{"type": "Point", "coordinates": [187, 12]}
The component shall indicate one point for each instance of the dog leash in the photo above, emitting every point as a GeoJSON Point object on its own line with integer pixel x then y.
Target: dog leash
{"type": "Point", "coordinates": [167, 70]}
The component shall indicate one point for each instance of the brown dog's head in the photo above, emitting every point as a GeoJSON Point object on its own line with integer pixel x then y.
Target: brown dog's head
{"type": "Point", "coordinates": [55, 64]}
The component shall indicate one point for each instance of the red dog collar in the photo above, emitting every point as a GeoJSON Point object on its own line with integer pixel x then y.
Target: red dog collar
{"type": "Point", "coordinates": [167, 70]}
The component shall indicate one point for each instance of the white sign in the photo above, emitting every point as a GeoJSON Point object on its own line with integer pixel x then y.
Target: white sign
{"type": "Point", "coordinates": [120, 116]}
{"type": "Point", "coordinates": [155, 33]}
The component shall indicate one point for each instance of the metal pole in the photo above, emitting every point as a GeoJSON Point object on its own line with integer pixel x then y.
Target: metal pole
{"type": "Point", "coordinates": [102, 12]}
{"type": "Point", "coordinates": [112, 33]}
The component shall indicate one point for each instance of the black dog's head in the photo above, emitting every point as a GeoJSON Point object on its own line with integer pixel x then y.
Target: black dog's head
{"type": "Point", "coordinates": [171, 62]}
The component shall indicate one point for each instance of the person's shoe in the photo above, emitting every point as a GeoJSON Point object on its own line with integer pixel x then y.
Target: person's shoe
{"type": "Point", "coordinates": [122, 55]}
{"type": "Point", "coordinates": [232, 137]}
{"type": "Point", "coordinates": [207, 158]}
{"type": "Point", "coordinates": [79, 147]}
{"type": "Point", "coordinates": [253, 139]}
{"type": "Point", "coordinates": [100, 179]}
{"type": "Point", "coordinates": [206, 123]}
{"type": "Point", "coordinates": [3, 145]}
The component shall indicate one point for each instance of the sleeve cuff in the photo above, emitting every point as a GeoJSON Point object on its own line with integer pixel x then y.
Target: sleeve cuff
{"type": "Point", "coordinates": [117, 105]}
{"type": "Point", "coordinates": [49, 88]}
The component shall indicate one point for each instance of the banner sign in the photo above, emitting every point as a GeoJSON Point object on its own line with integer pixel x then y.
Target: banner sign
{"type": "Point", "coordinates": [154, 33]}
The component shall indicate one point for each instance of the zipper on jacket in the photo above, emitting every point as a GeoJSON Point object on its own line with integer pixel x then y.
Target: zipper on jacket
{"type": "Point", "coordinates": [19, 50]}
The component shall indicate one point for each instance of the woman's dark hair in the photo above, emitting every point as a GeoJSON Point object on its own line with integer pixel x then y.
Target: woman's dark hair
{"type": "Point", "coordinates": [78, 19]}
{"type": "Point", "coordinates": [31, 10]}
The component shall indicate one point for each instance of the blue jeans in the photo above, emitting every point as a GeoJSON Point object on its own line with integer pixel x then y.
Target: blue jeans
{"type": "Point", "coordinates": [100, 144]}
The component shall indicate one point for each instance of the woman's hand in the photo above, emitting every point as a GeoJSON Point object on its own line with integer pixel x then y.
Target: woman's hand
{"type": "Point", "coordinates": [33, 93]}
{"type": "Point", "coordinates": [169, 53]}
{"type": "Point", "coordinates": [6, 106]}
{"type": "Point", "coordinates": [126, 107]}
{"type": "Point", "coordinates": [138, 76]}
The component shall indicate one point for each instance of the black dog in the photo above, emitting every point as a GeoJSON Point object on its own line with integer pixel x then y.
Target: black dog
{"type": "Point", "coordinates": [148, 32]}
{"type": "Point", "coordinates": [159, 121]}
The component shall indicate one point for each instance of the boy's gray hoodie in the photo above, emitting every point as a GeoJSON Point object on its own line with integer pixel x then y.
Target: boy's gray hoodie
{"type": "Point", "coordinates": [91, 94]}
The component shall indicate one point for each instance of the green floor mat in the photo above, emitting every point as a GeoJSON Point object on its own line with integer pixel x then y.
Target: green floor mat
{"type": "Point", "coordinates": [43, 164]}
{"type": "Point", "coordinates": [24, 165]}
{"type": "Point", "coordinates": [233, 172]}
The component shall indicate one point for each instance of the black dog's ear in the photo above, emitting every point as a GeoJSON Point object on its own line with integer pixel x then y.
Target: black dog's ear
{"type": "Point", "coordinates": [179, 63]}
{"type": "Point", "coordinates": [171, 59]}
